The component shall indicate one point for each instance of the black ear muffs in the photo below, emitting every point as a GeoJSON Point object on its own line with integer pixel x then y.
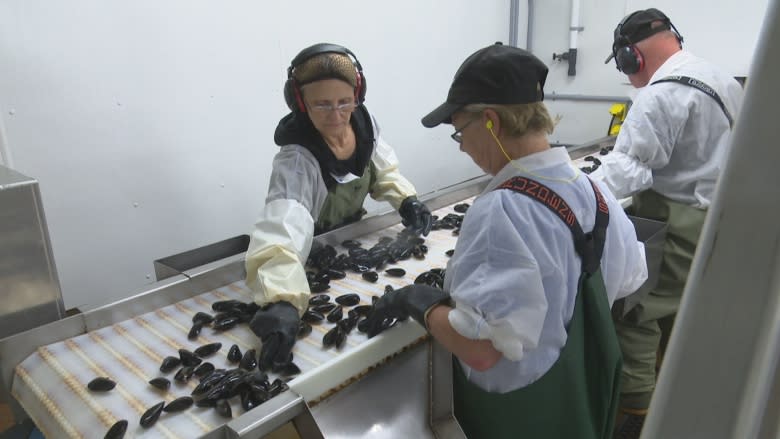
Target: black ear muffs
{"type": "Point", "coordinates": [292, 90]}
{"type": "Point", "coordinates": [629, 60]}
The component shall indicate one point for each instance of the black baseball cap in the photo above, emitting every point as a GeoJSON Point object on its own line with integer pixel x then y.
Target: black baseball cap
{"type": "Point", "coordinates": [637, 26]}
{"type": "Point", "coordinates": [496, 74]}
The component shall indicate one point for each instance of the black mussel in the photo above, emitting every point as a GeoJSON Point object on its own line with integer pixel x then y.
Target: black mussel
{"type": "Point", "coordinates": [310, 275]}
{"type": "Point", "coordinates": [362, 310]}
{"type": "Point", "coordinates": [418, 253]}
{"type": "Point", "coordinates": [349, 299]}
{"type": "Point", "coordinates": [324, 308]}
{"type": "Point", "coordinates": [208, 349]}
{"type": "Point", "coordinates": [226, 305]}
{"type": "Point", "coordinates": [184, 374]}
{"type": "Point", "coordinates": [348, 323]}
{"type": "Point", "coordinates": [169, 363]}
{"type": "Point", "coordinates": [189, 358]}
{"type": "Point", "coordinates": [318, 287]}
{"type": "Point", "coordinates": [195, 331]}
{"type": "Point", "coordinates": [336, 315]}
{"type": "Point", "coordinates": [371, 276]}
{"type": "Point", "coordinates": [223, 323]}
{"type": "Point", "coordinates": [248, 401]}
{"type": "Point", "coordinates": [206, 403]}
{"type": "Point", "coordinates": [234, 354]}
{"type": "Point", "coordinates": [351, 243]}
{"type": "Point", "coordinates": [277, 387]}
{"type": "Point", "coordinates": [249, 360]}
{"type": "Point", "coordinates": [322, 277]}
{"type": "Point", "coordinates": [151, 415]}
{"type": "Point", "coordinates": [395, 272]}
{"type": "Point", "coordinates": [312, 317]}
{"type": "Point", "coordinates": [117, 431]}
{"type": "Point", "coordinates": [179, 404]}
{"type": "Point", "coordinates": [334, 337]}
{"type": "Point", "coordinates": [161, 383]}
{"type": "Point", "coordinates": [203, 370]}
{"type": "Point", "coordinates": [223, 408]}
{"type": "Point", "coordinates": [388, 289]}
{"type": "Point", "coordinates": [202, 318]}
{"type": "Point", "coordinates": [450, 252]}
{"type": "Point", "coordinates": [289, 369]}
{"type": "Point", "coordinates": [336, 274]}
{"type": "Point", "coordinates": [319, 299]}
{"type": "Point", "coordinates": [359, 268]}
{"type": "Point", "coordinates": [304, 329]}
{"type": "Point", "coordinates": [101, 384]}
{"type": "Point", "coordinates": [362, 325]}
{"type": "Point", "coordinates": [461, 208]}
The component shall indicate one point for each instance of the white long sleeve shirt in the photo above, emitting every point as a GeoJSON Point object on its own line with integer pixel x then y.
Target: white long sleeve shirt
{"type": "Point", "coordinates": [282, 236]}
{"type": "Point", "coordinates": [675, 138]}
{"type": "Point", "coordinates": [514, 274]}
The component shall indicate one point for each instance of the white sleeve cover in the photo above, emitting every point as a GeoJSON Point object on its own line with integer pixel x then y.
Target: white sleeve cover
{"type": "Point", "coordinates": [390, 185]}
{"type": "Point", "coordinates": [275, 259]}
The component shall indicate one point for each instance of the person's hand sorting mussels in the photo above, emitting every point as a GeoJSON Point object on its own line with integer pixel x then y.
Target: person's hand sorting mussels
{"type": "Point", "coordinates": [277, 326]}
{"type": "Point", "coordinates": [412, 300]}
{"type": "Point", "coordinates": [416, 216]}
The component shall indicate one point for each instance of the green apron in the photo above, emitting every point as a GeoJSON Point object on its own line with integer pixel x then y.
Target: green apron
{"type": "Point", "coordinates": [575, 399]}
{"type": "Point", "coordinates": [344, 203]}
{"type": "Point", "coordinates": [644, 330]}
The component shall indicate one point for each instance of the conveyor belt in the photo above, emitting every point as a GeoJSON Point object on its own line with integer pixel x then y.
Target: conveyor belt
{"type": "Point", "coordinates": [51, 384]}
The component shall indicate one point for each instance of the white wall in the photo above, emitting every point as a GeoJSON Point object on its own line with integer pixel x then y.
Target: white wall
{"type": "Point", "coordinates": [722, 31]}
{"type": "Point", "coordinates": [149, 123]}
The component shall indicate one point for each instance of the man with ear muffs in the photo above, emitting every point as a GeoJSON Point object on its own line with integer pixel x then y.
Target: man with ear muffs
{"type": "Point", "coordinates": [668, 156]}
{"type": "Point", "coordinates": [331, 157]}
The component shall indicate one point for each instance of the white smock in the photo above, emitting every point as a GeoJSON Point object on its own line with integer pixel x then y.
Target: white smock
{"type": "Point", "coordinates": [675, 138]}
{"type": "Point", "coordinates": [514, 274]}
{"type": "Point", "coordinates": [282, 237]}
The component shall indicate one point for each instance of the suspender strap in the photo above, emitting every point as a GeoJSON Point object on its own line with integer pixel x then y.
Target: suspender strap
{"type": "Point", "coordinates": [704, 88]}
{"type": "Point", "coordinates": [589, 246]}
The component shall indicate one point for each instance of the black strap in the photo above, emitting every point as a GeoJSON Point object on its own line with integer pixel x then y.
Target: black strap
{"type": "Point", "coordinates": [701, 86]}
{"type": "Point", "coordinates": [589, 246]}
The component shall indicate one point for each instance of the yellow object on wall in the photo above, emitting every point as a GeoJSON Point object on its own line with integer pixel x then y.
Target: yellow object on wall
{"type": "Point", "coordinates": [618, 112]}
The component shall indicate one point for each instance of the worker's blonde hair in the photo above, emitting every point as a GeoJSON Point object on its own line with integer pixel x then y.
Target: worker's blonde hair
{"type": "Point", "coordinates": [519, 119]}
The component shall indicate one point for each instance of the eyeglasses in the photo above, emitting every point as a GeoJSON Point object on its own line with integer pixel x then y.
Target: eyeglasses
{"type": "Point", "coordinates": [327, 108]}
{"type": "Point", "coordinates": [458, 135]}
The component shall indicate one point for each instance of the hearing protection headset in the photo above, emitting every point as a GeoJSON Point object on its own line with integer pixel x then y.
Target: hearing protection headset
{"type": "Point", "coordinates": [292, 90]}
{"type": "Point", "coordinates": [628, 58]}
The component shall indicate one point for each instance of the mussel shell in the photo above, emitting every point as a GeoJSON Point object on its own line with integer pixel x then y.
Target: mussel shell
{"type": "Point", "coordinates": [203, 370]}
{"type": "Point", "coordinates": [195, 331]}
{"type": "Point", "coordinates": [319, 299]}
{"type": "Point", "coordinates": [395, 272]}
{"type": "Point", "coordinates": [101, 384]}
{"type": "Point", "coordinates": [161, 383]}
{"type": "Point", "coordinates": [351, 243]}
{"type": "Point", "coordinates": [184, 374]}
{"type": "Point", "coordinates": [349, 299]}
{"type": "Point", "coordinates": [226, 305]}
{"type": "Point", "coordinates": [189, 358]}
{"type": "Point", "coordinates": [362, 310]}
{"type": "Point", "coordinates": [223, 408]}
{"type": "Point", "coordinates": [202, 318]}
{"type": "Point", "coordinates": [234, 354]}
{"type": "Point", "coordinates": [336, 315]}
{"type": "Point", "coordinates": [461, 208]}
{"type": "Point", "coordinates": [169, 363]}
{"type": "Point", "coordinates": [318, 287]}
{"type": "Point", "coordinates": [249, 360]}
{"type": "Point", "coordinates": [336, 274]}
{"type": "Point", "coordinates": [226, 322]}
{"type": "Point", "coordinates": [304, 329]}
{"type": "Point", "coordinates": [288, 369]}
{"type": "Point", "coordinates": [117, 431]}
{"type": "Point", "coordinates": [450, 252]}
{"type": "Point", "coordinates": [371, 276]}
{"type": "Point", "coordinates": [359, 268]}
{"type": "Point", "coordinates": [208, 349]}
{"type": "Point", "coordinates": [312, 317]}
{"type": "Point", "coordinates": [206, 403]}
{"type": "Point", "coordinates": [334, 337]}
{"type": "Point", "coordinates": [179, 404]}
{"type": "Point", "coordinates": [324, 308]}
{"type": "Point", "coordinates": [151, 415]}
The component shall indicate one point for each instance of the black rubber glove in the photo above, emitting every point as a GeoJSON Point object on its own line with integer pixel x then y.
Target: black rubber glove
{"type": "Point", "coordinates": [410, 301]}
{"type": "Point", "coordinates": [415, 215]}
{"type": "Point", "coordinates": [277, 326]}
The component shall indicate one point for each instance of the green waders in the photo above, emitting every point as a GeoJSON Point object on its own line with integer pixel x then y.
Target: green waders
{"type": "Point", "coordinates": [344, 203]}
{"type": "Point", "coordinates": [644, 331]}
{"type": "Point", "coordinates": [577, 397]}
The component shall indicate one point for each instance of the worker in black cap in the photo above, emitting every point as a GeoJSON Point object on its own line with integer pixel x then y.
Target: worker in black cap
{"type": "Point", "coordinates": [541, 255]}
{"type": "Point", "coordinates": [668, 156]}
